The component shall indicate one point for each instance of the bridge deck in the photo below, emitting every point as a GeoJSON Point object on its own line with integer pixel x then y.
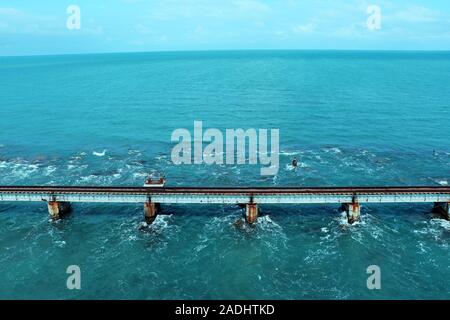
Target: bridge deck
{"type": "Point", "coordinates": [261, 195]}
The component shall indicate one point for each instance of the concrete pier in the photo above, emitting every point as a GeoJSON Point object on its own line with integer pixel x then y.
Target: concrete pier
{"type": "Point", "coordinates": [58, 209]}
{"type": "Point", "coordinates": [251, 212]}
{"type": "Point", "coordinates": [443, 208]}
{"type": "Point", "coordinates": [353, 211]}
{"type": "Point", "coordinates": [151, 210]}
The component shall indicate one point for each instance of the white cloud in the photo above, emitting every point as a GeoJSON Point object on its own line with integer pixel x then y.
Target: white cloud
{"type": "Point", "coordinates": [14, 21]}
{"type": "Point", "coordinates": [142, 29]}
{"type": "Point", "coordinates": [17, 21]}
{"type": "Point", "coordinates": [9, 12]}
{"type": "Point", "coordinates": [251, 6]}
{"type": "Point", "coordinates": [173, 10]}
{"type": "Point", "coordinates": [353, 31]}
{"type": "Point", "coordinates": [415, 14]}
{"type": "Point", "coordinates": [199, 34]}
{"type": "Point", "coordinates": [304, 28]}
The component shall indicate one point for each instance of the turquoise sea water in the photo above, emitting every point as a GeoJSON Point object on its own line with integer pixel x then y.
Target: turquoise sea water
{"type": "Point", "coordinates": [351, 118]}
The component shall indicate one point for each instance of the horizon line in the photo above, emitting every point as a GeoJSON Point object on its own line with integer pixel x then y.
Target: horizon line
{"type": "Point", "coordinates": [222, 50]}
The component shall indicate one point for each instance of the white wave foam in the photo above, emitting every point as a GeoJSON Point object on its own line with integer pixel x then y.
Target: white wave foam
{"type": "Point", "coordinates": [289, 153]}
{"type": "Point", "coordinates": [343, 221]}
{"type": "Point", "coordinates": [88, 178]}
{"type": "Point", "coordinates": [266, 221]}
{"type": "Point", "coordinates": [275, 180]}
{"type": "Point", "coordinates": [99, 154]}
{"type": "Point", "coordinates": [161, 222]}
{"type": "Point", "coordinates": [60, 243]}
{"type": "Point", "coordinates": [139, 175]}
{"type": "Point", "coordinates": [422, 247]}
{"type": "Point", "coordinates": [134, 152]}
{"type": "Point", "coordinates": [333, 150]}
{"type": "Point", "coordinates": [200, 247]}
{"type": "Point", "coordinates": [290, 167]}
{"type": "Point", "coordinates": [441, 223]}
{"type": "Point", "coordinates": [49, 170]}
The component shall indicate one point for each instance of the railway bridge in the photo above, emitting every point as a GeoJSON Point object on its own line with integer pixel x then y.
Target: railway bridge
{"type": "Point", "coordinates": [59, 198]}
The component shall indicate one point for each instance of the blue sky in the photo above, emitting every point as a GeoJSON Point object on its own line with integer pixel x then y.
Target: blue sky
{"type": "Point", "coordinates": [29, 27]}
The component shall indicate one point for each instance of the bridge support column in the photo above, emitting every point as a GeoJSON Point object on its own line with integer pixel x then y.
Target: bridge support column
{"type": "Point", "coordinates": [58, 209]}
{"type": "Point", "coordinates": [151, 210]}
{"type": "Point", "coordinates": [251, 212]}
{"type": "Point", "coordinates": [443, 208]}
{"type": "Point", "coordinates": [353, 211]}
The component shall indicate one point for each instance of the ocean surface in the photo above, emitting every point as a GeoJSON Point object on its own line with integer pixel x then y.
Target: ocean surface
{"type": "Point", "coordinates": [350, 118]}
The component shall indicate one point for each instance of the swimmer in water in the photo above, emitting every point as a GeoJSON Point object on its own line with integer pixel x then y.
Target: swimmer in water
{"type": "Point", "coordinates": [294, 163]}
